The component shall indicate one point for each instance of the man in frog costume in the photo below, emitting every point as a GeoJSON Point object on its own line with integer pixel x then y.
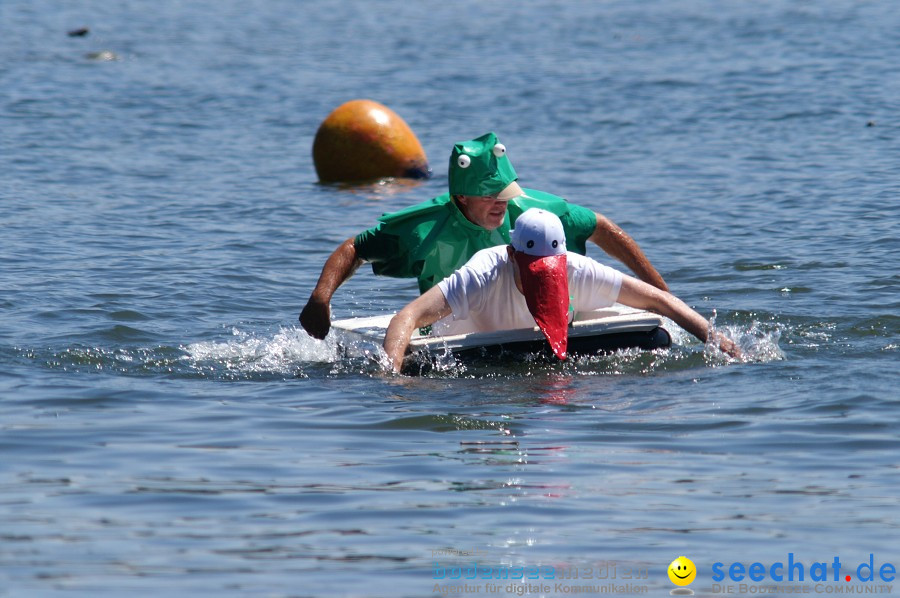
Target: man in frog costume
{"type": "Point", "coordinates": [430, 240]}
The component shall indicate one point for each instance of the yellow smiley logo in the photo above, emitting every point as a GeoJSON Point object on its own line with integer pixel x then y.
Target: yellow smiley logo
{"type": "Point", "coordinates": [682, 571]}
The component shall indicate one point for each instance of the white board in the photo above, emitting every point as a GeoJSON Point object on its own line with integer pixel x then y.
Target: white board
{"type": "Point", "coordinates": [617, 321]}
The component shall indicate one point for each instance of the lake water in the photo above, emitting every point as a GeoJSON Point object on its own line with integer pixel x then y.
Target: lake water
{"type": "Point", "coordinates": [167, 427]}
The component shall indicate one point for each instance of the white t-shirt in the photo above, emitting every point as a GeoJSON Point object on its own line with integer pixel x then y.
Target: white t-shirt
{"type": "Point", "coordinates": [483, 294]}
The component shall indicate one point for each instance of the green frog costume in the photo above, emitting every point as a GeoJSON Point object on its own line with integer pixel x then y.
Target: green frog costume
{"type": "Point", "coordinates": [431, 240]}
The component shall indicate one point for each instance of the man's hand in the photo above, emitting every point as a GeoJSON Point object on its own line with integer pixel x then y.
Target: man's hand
{"type": "Point", "coordinates": [727, 345]}
{"type": "Point", "coordinates": [316, 318]}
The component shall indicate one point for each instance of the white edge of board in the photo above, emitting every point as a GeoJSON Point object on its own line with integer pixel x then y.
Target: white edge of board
{"type": "Point", "coordinates": [616, 319]}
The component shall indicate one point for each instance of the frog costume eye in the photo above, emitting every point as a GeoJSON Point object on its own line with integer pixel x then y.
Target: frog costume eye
{"type": "Point", "coordinates": [499, 150]}
{"type": "Point", "coordinates": [463, 161]}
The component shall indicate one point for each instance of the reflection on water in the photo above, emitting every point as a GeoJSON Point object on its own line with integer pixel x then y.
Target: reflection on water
{"type": "Point", "coordinates": [374, 191]}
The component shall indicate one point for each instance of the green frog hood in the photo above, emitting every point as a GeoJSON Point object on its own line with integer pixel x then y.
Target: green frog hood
{"type": "Point", "coordinates": [480, 167]}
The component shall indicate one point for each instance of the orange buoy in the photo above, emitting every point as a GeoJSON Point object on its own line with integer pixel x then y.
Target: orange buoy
{"type": "Point", "coordinates": [364, 140]}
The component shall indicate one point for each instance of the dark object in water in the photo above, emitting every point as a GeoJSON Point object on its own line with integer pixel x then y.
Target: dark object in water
{"type": "Point", "coordinates": [81, 32]}
{"type": "Point", "coordinates": [646, 340]}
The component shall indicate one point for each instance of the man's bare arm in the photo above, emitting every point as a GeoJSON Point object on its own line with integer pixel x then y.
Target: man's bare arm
{"type": "Point", "coordinates": [617, 243]}
{"type": "Point", "coordinates": [316, 316]}
{"type": "Point", "coordinates": [425, 310]}
{"type": "Point", "coordinates": [635, 293]}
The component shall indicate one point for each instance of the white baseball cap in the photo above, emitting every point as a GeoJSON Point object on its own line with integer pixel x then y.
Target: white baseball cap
{"type": "Point", "coordinates": [538, 232]}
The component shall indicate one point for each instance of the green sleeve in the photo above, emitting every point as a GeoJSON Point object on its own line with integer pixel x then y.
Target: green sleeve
{"type": "Point", "coordinates": [374, 245]}
{"type": "Point", "coordinates": [579, 223]}
{"type": "Point", "coordinates": [394, 245]}
{"type": "Point", "coordinates": [385, 250]}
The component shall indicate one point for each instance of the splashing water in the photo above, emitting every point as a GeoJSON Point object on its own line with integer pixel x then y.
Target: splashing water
{"type": "Point", "coordinates": [290, 352]}
{"type": "Point", "coordinates": [757, 342]}
{"type": "Point", "coordinates": [252, 353]}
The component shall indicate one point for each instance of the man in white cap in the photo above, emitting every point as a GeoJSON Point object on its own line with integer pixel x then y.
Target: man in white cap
{"type": "Point", "coordinates": [532, 280]}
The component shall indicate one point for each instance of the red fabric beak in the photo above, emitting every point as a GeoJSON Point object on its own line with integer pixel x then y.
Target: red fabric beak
{"type": "Point", "coordinates": [545, 283]}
